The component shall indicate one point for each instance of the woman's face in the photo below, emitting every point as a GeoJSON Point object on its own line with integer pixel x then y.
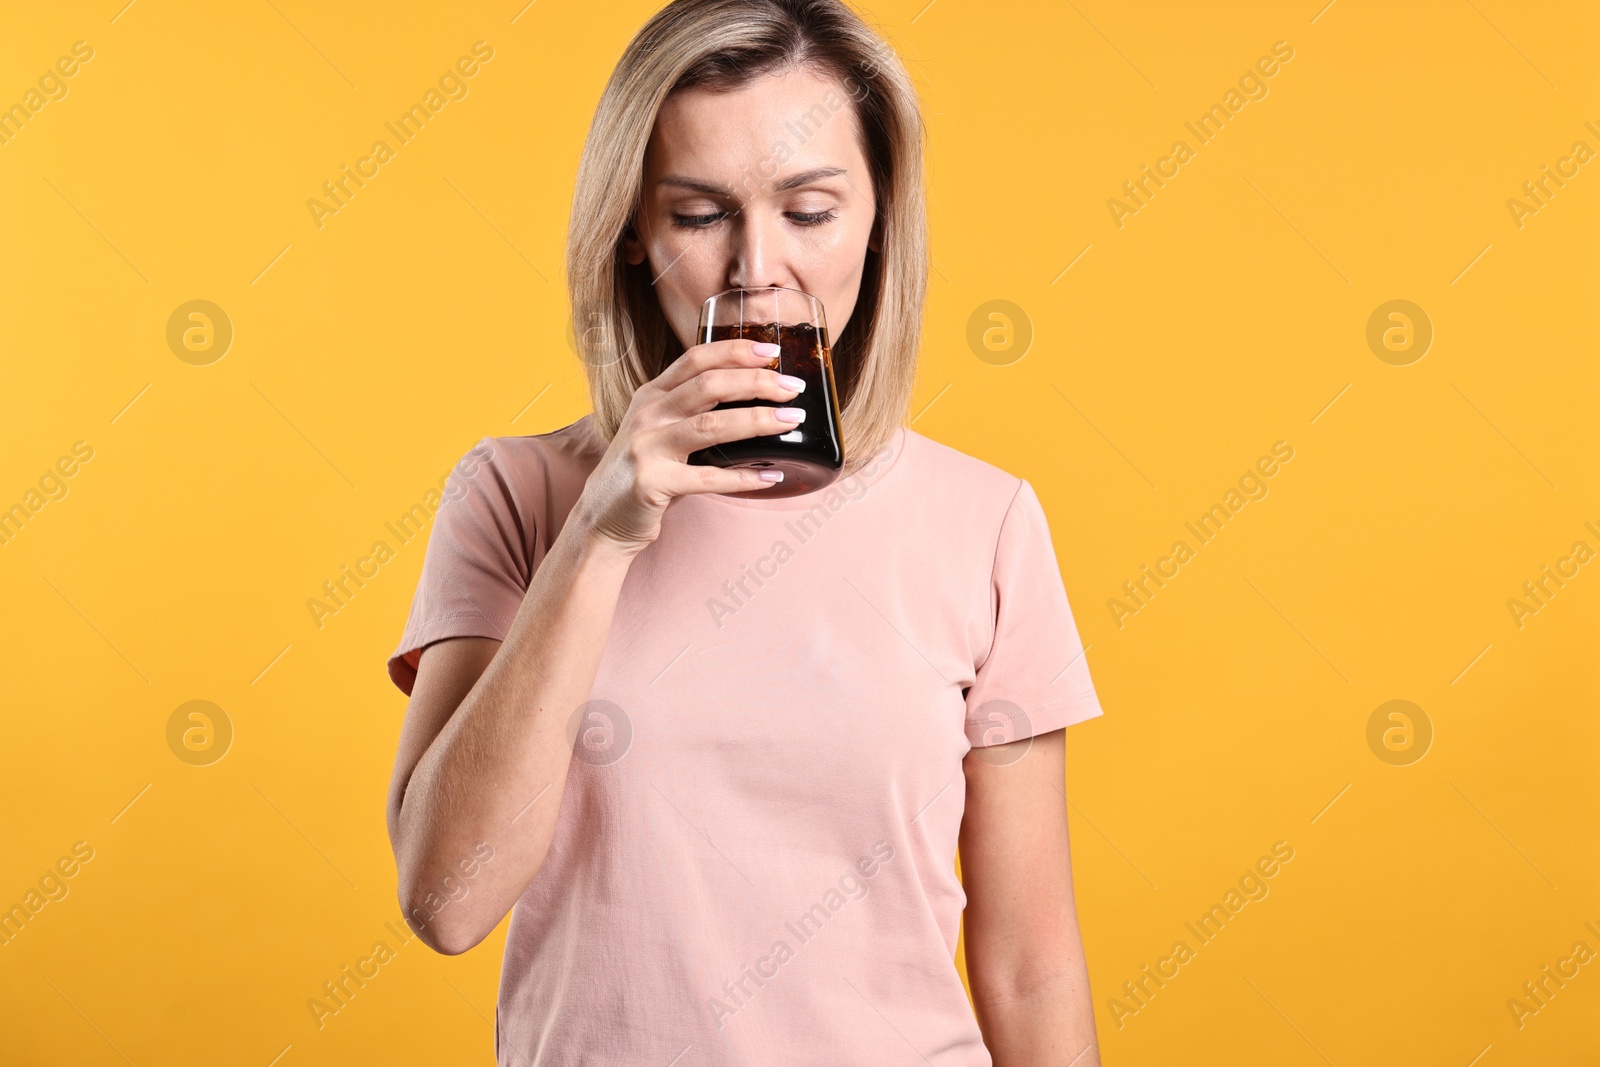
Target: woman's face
{"type": "Point", "coordinates": [763, 186]}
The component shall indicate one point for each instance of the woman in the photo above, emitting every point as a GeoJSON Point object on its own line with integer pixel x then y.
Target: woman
{"type": "Point", "coordinates": [719, 750]}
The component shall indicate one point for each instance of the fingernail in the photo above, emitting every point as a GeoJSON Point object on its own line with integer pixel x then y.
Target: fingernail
{"type": "Point", "coordinates": [789, 381]}
{"type": "Point", "coordinates": [765, 348]}
{"type": "Point", "coordinates": [771, 476]}
{"type": "Point", "coordinates": [791, 414]}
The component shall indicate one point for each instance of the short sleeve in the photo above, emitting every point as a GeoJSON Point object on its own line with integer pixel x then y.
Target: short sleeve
{"type": "Point", "coordinates": [473, 578]}
{"type": "Point", "coordinates": [1035, 677]}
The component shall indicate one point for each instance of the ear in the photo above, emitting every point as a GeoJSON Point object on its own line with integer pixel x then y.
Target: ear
{"type": "Point", "coordinates": [632, 248]}
{"type": "Point", "coordinates": [875, 239]}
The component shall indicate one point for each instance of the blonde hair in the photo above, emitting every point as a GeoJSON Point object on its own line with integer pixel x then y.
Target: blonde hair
{"type": "Point", "coordinates": [721, 45]}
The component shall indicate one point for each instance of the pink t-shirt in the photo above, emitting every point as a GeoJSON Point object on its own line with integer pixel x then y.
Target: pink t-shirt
{"type": "Point", "coordinates": [754, 858]}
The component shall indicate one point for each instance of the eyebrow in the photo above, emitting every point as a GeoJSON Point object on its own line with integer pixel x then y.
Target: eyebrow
{"type": "Point", "coordinates": [793, 182]}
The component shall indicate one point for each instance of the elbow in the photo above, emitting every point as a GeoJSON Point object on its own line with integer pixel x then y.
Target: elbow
{"type": "Point", "coordinates": [449, 942]}
{"type": "Point", "coordinates": [454, 911]}
{"type": "Point", "coordinates": [442, 922]}
{"type": "Point", "coordinates": [435, 929]}
{"type": "Point", "coordinates": [427, 911]}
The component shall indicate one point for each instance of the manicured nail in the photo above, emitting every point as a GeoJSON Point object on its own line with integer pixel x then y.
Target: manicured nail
{"type": "Point", "coordinates": [765, 349]}
{"type": "Point", "coordinates": [789, 381]}
{"type": "Point", "coordinates": [791, 414]}
{"type": "Point", "coordinates": [771, 476]}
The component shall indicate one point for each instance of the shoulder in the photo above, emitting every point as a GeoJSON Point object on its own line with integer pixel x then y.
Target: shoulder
{"type": "Point", "coordinates": [531, 479]}
{"type": "Point", "coordinates": [962, 482]}
{"type": "Point", "coordinates": [541, 459]}
{"type": "Point", "coordinates": [574, 445]}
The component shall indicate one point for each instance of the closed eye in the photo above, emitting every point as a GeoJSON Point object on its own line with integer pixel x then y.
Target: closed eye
{"type": "Point", "coordinates": [800, 218]}
{"type": "Point", "coordinates": [813, 218]}
{"type": "Point", "coordinates": [696, 222]}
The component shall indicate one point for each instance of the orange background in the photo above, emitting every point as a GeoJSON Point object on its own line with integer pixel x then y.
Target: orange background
{"type": "Point", "coordinates": [1167, 354]}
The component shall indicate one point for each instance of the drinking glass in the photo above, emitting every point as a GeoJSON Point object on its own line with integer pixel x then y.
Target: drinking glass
{"type": "Point", "coordinates": [812, 454]}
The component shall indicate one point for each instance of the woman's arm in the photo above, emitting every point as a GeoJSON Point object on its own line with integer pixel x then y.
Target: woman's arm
{"type": "Point", "coordinates": [484, 751]}
{"type": "Point", "coordinates": [1025, 963]}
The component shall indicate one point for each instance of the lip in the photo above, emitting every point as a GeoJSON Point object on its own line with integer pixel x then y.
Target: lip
{"type": "Point", "coordinates": [763, 289]}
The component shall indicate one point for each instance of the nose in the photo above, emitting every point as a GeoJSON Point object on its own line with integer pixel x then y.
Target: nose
{"type": "Point", "coordinates": [756, 258]}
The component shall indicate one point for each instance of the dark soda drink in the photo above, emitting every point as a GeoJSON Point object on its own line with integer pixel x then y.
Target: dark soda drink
{"type": "Point", "coordinates": [810, 455]}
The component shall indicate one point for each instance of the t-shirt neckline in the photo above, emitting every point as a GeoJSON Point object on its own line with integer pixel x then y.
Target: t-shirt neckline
{"type": "Point", "coordinates": [807, 501]}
